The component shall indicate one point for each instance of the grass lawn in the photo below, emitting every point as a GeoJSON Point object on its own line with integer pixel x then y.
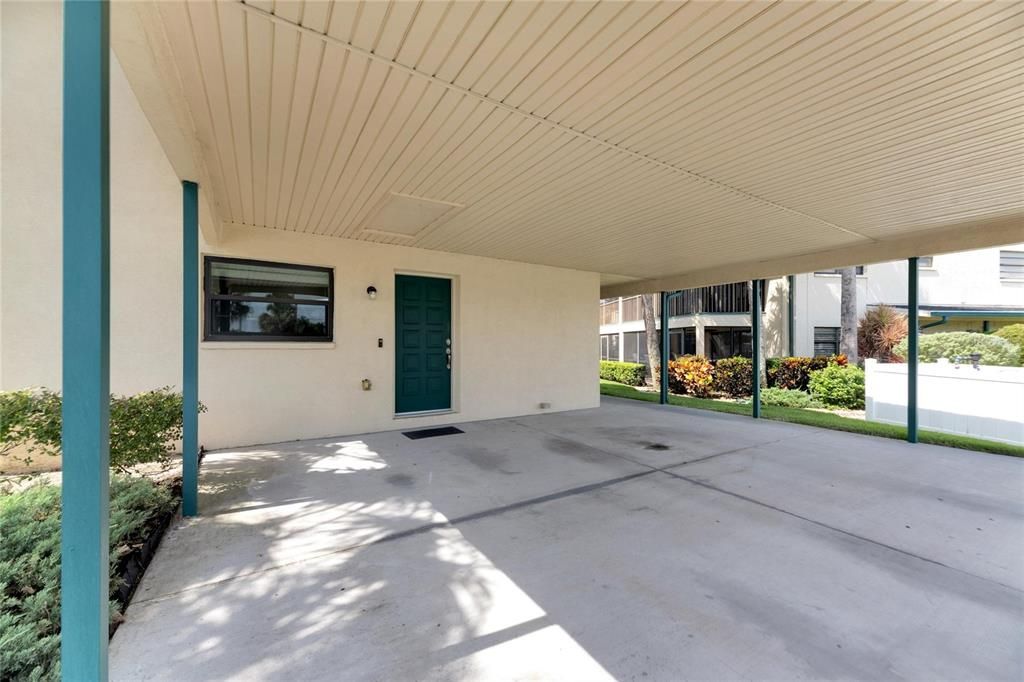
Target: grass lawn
{"type": "Point", "coordinates": [824, 420]}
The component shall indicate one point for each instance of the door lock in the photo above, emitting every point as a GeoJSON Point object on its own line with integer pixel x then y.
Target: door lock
{"type": "Point", "coordinates": [448, 353]}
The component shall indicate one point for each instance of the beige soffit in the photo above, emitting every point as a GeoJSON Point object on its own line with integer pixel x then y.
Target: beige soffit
{"type": "Point", "coordinates": [653, 142]}
{"type": "Point", "coordinates": [406, 217]}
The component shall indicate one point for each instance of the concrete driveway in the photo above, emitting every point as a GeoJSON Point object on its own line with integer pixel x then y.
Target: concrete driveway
{"type": "Point", "coordinates": [631, 542]}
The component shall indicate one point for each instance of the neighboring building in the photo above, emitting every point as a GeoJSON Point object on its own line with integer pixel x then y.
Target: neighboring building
{"type": "Point", "coordinates": [968, 291]}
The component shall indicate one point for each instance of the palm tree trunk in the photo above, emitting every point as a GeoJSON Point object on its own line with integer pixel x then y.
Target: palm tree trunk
{"type": "Point", "coordinates": [653, 345]}
{"type": "Point", "coordinates": [848, 314]}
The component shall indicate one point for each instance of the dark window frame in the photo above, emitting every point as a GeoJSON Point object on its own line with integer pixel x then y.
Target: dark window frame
{"type": "Point", "coordinates": [209, 298]}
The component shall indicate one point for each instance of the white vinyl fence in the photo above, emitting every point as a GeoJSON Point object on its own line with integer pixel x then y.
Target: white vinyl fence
{"type": "Point", "coordinates": [984, 401]}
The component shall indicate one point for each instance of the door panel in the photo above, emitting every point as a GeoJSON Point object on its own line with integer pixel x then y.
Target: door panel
{"type": "Point", "coordinates": [423, 330]}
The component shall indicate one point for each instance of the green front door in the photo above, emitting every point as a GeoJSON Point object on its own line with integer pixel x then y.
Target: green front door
{"type": "Point", "coordinates": [423, 343]}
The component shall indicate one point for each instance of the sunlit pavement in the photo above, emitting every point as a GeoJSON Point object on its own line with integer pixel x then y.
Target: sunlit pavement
{"type": "Point", "coordinates": [628, 542]}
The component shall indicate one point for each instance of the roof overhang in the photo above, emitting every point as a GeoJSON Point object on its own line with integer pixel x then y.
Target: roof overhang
{"type": "Point", "coordinates": [664, 145]}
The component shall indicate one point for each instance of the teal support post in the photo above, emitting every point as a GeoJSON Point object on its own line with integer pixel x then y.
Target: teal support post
{"type": "Point", "coordinates": [663, 348]}
{"type": "Point", "coordinates": [85, 431]}
{"type": "Point", "coordinates": [755, 334]}
{"type": "Point", "coordinates": [791, 314]}
{"type": "Point", "coordinates": [190, 350]}
{"type": "Point", "coordinates": [913, 332]}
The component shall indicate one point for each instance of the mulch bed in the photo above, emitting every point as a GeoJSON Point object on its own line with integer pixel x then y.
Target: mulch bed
{"type": "Point", "coordinates": [132, 565]}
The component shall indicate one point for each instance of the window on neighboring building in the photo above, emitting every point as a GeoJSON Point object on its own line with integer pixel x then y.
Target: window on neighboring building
{"type": "Point", "coordinates": [682, 342]}
{"type": "Point", "coordinates": [727, 342]}
{"type": "Point", "coordinates": [826, 340]}
{"type": "Point", "coordinates": [248, 300]}
{"type": "Point", "coordinates": [1011, 265]}
{"type": "Point", "coordinates": [634, 347]}
{"type": "Point", "coordinates": [609, 346]}
{"type": "Point", "coordinates": [836, 271]}
{"type": "Point", "coordinates": [925, 261]}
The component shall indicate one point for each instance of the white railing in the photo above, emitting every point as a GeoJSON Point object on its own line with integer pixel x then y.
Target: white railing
{"type": "Point", "coordinates": [984, 401]}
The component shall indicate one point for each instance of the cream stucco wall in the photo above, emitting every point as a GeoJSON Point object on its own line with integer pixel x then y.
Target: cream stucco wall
{"type": "Point", "coordinates": [523, 333]}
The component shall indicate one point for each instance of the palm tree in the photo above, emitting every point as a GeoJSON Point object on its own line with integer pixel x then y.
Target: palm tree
{"type": "Point", "coordinates": [653, 345]}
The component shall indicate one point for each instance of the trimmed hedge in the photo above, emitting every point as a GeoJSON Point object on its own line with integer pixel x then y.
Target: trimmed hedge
{"type": "Point", "coordinates": [692, 375]}
{"type": "Point", "coordinates": [734, 377]}
{"type": "Point", "coordinates": [1014, 333]}
{"type": "Point", "coordinates": [839, 386]}
{"type": "Point", "coordinates": [629, 373]}
{"type": "Point", "coordinates": [993, 349]}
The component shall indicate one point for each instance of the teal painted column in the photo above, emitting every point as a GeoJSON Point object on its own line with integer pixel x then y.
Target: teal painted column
{"type": "Point", "coordinates": [663, 347]}
{"type": "Point", "coordinates": [913, 331]}
{"type": "Point", "coordinates": [755, 334]}
{"type": "Point", "coordinates": [190, 349]}
{"type": "Point", "coordinates": [791, 314]}
{"type": "Point", "coordinates": [85, 435]}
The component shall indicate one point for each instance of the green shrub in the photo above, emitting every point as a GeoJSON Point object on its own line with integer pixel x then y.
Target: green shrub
{"type": "Point", "coordinates": [787, 397]}
{"type": "Point", "coordinates": [691, 374]}
{"type": "Point", "coordinates": [795, 372]}
{"type": "Point", "coordinates": [838, 386]}
{"type": "Point", "coordinates": [30, 567]}
{"type": "Point", "coordinates": [629, 373]}
{"type": "Point", "coordinates": [1014, 333]}
{"type": "Point", "coordinates": [734, 377]}
{"type": "Point", "coordinates": [771, 371]}
{"type": "Point", "coordinates": [932, 347]}
{"type": "Point", "coordinates": [143, 427]}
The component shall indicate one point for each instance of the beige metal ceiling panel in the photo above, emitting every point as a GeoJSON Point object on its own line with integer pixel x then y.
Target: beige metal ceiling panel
{"type": "Point", "coordinates": [644, 140]}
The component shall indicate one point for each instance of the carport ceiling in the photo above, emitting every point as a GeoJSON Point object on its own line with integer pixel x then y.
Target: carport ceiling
{"type": "Point", "coordinates": [686, 141]}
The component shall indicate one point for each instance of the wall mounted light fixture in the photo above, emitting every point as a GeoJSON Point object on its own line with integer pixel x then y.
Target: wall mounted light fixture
{"type": "Point", "coordinates": [371, 291]}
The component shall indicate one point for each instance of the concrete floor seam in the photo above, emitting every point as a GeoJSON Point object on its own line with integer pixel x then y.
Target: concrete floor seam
{"type": "Point", "coordinates": [835, 529]}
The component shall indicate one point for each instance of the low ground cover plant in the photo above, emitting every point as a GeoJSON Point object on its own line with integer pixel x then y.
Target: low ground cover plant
{"type": "Point", "coordinates": [629, 373]}
{"type": "Point", "coordinates": [30, 567]}
{"type": "Point", "coordinates": [143, 427]}
{"type": "Point", "coordinates": [994, 350]}
{"type": "Point", "coordinates": [838, 386]}
{"type": "Point", "coordinates": [692, 375]}
{"type": "Point", "coordinates": [788, 397]}
{"type": "Point", "coordinates": [1014, 333]}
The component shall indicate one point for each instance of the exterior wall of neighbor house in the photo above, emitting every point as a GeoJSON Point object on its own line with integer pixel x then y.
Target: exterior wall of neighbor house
{"type": "Point", "coordinates": [969, 278]}
{"type": "Point", "coordinates": [774, 323]}
{"type": "Point", "coordinates": [523, 334]}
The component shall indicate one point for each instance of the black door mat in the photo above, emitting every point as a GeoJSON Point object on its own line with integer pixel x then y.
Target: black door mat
{"type": "Point", "coordinates": [430, 433]}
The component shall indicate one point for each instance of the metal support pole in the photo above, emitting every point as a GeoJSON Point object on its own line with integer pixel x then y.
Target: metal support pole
{"type": "Point", "coordinates": [663, 347]}
{"type": "Point", "coordinates": [85, 432]}
{"type": "Point", "coordinates": [190, 349]}
{"type": "Point", "coordinates": [755, 328]}
{"type": "Point", "coordinates": [791, 314]}
{"type": "Point", "coordinates": [913, 331]}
